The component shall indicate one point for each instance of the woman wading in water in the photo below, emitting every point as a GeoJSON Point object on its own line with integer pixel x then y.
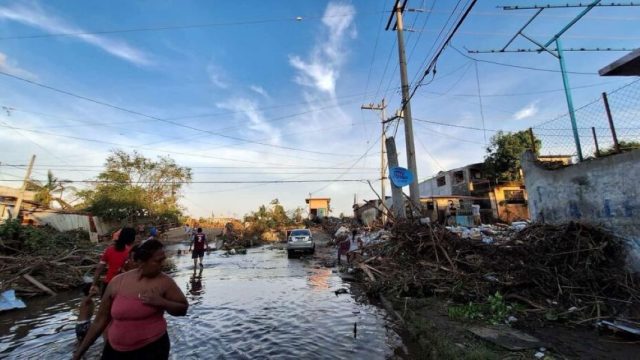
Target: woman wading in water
{"type": "Point", "coordinates": [133, 308]}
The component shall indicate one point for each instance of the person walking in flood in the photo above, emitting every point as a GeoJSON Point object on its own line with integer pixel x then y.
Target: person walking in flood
{"type": "Point", "coordinates": [133, 307]}
{"type": "Point", "coordinates": [114, 258]}
{"type": "Point", "coordinates": [85, 312]}
{"type": "Point", "coordinates": [199, 245]}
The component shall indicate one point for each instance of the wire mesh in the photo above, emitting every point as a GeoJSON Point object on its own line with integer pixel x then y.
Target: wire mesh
{"type": "Point", "coordinates": [557, 137]}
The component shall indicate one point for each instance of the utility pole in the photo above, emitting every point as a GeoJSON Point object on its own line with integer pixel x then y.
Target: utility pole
{"type": "Point", "coordinates": [396, 193]}
{"type": "Point", "coordinates": [18, 205]}
{"type": "Point", "coordinates": [414, 192]}
{"type": "Point", "coordinates": [558, 51]}
{"type": "Point", "coordinates": [381, 107]}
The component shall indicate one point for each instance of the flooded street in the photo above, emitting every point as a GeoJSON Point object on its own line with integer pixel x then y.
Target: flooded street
{"type": "Point", "coordinates": [255, 306]}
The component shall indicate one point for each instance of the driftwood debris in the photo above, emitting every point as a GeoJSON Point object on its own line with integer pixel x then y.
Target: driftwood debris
{"type": "Point", "coordinates": [32, 275]}
{"type": "Point", "coordinates": [549, 269]}
{"type": "Point", "coordinates": [38, 284]}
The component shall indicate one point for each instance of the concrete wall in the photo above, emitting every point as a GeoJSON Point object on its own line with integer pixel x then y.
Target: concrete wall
{"type": "Point", "coordinates": [430, 187]}
{"type": "Point", "coordinates": [601, 192]}
{"type": "Point", "coordinates": [66, 222]}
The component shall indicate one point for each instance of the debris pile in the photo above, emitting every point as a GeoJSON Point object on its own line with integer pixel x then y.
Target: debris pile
{"type": "Point", "coordinates": [572, 271]}
{"type": "Point", "coordinates": [31, 275]}
{"type": "Point", "coordinates": [42, 260]}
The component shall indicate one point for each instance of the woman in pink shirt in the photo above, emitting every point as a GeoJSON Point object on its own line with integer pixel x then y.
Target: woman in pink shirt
{"type": "Point", "coordinates": [133, 306]}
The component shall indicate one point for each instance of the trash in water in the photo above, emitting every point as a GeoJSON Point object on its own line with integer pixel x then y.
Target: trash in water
{"type": "Point", "coordinates": [9, 301]}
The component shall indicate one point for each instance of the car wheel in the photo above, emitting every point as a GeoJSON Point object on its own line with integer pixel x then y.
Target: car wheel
{"type": "Point", "coordinates": [289, 254]}
{"type": "Point", "coordinates": [313, 249]}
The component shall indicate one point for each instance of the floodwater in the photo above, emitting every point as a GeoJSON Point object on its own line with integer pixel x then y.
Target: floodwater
{"type": "Point", "coordinates": [255, 306]}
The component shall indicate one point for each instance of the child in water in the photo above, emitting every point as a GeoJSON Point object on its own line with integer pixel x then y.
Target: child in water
{"type": "Point", "coordinates": [86, 311]}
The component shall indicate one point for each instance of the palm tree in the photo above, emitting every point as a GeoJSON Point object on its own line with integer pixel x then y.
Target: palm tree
{"type": "Point", "coordinates": [51, 191]}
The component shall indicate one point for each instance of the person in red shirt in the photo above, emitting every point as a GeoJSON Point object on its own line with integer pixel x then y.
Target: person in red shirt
{"type": "Point", "coordinates": [199, 244]}
{"type": "Point", "coordinates": [114, 257]}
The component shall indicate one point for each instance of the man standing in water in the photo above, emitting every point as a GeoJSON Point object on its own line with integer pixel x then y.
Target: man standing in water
{"type": "Point", "coordinates": [199, 244]}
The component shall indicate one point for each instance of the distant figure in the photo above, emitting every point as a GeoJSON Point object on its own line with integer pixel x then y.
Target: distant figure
{"type": "Point", "coordinates": [132, 310]}
{"type": "Point", "coordinates": [140, 230]}
{"type": "Point", "coordinates": [343, 249]}
{"type": "Point", "coordinates": [450, 214]}
{"type": "Point", "coordinates": [354, 244]}
{"type": "Point", "coordinates": [85, 312]}
{"type": "Point", "coordinates": [114, 258]}
{"type": "Point", "coordinates": [475, 211]}
{"type": "Point", "coordinates": [199, 244]}
{"type": "Point", "coordinates": [153, 231]}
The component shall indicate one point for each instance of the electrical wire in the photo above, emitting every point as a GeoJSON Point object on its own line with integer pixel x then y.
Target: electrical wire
{"type": "Point", "coordinates": [518, 66]}
{"type": "Point", "coordinates": [179, 27]}
{"type": "Point", "coordinates": [137, 113]}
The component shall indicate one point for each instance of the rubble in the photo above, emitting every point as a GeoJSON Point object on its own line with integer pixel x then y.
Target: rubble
{"type": "Point", "coordinates": [572, 272]}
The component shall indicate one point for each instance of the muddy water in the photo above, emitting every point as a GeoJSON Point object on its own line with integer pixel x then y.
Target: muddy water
{"type": "Point", "coordinates": [255, 306]}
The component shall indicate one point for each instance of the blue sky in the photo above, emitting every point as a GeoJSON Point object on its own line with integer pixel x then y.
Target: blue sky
{"type": "Point", "coordinates": [271, 90]}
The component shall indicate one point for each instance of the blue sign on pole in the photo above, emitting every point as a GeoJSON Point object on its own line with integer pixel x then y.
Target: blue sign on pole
{"type": "Point", "coordinates": [400, 177]}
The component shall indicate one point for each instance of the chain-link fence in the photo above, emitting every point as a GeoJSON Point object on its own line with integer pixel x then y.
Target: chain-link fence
{"type": "Point", "coordinates": [597, 126]}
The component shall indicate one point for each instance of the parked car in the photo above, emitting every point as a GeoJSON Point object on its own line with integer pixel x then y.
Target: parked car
{"type": "Point", "coordinates": [300, 240]}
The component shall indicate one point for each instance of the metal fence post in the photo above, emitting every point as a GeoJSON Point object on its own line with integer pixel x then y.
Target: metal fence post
{"type": "Point", "coordinates": [595, 140]}
{"type": "Point", "coordinates": [616, 145]}
{"type": "Point", "coordinates": [533, 142]}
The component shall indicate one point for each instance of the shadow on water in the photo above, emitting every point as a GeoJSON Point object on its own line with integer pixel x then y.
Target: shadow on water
{"type": "Point", "coordinates": [255, 306]}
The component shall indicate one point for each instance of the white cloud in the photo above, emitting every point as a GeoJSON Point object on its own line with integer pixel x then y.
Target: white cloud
{"type": "Point", "coordinates": [217, 76]}
{"type": "Point", "coordinates": [11, 67]}
{"type": "Point", "coordinates": [260, 90]}
{"type": "Point", "coordinates": [321, 69]}
{"type": "Point", "coordinates": [257, 122]}
{"type": "Point", "coordinates": [527, 111]}
{"type": "Point", "coordinates": [38, 18]}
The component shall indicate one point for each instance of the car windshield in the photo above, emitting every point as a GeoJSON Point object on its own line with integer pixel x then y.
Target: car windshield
{"type": "Point", "coordinates": [300, 233]}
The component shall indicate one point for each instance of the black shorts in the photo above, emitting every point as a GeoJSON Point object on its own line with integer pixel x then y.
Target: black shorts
{"type": "Point", "coordinates": [157, 350]}
{"type": "Point", "coordinates": [197, 254]}
{"type": "Point", "coordinates": [82, 328]}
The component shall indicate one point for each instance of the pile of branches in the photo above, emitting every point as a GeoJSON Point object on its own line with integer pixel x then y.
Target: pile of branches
{"type": "Point", "coordinates": [42, 260]}
{"type": "Point", "coordinates": [31, 275]}
{"type": "Point", "coordinates": [555, 270]}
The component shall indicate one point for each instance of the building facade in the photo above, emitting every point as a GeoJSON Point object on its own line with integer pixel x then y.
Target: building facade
{"type": "Point", "coordinates": [467, 186]}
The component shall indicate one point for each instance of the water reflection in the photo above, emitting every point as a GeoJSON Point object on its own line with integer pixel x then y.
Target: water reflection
{"type": "Point", "coordinates": [255, 306]}
{"type": "Point", "coordinates": [194, 286]}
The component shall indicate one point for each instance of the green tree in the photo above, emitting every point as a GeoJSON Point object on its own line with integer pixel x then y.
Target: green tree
{"type": "Point", "coordinates": [624, 146]}
{"type": "Point", "coordinates": [502, 162]}
{"type": "Point", "coordinates": [51, 191]}
{"type": "Point", "coordinates": [133, 185]}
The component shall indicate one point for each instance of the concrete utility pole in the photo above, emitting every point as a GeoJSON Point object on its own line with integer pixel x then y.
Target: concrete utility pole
{"type": "Point", "coordinates": [16, 209]}
{"type": "Point", "coordinates": [396, 192]}
{"type": "Point", "coordinates": [414, 192]}
{"type": "Point", "coordinates": [381, 107]}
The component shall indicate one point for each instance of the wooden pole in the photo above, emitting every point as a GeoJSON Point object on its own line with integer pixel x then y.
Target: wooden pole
{"type": "Point", "coordinates": [18, 206]}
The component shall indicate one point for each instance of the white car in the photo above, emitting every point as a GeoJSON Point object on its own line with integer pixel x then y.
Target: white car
{"type": "Point", "coordinates": [300, 240]}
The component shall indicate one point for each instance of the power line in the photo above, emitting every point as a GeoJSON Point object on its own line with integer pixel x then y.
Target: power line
{"type": "Point", "coordinates": [518, 66]}
{"type": "Point", "coordinates": [178, 27]}
{"type": "Point", "coordinates": [350, 168]}
{"type": "Point", "coordinates": [160, 119]}
{"type": "Point", "coordinates": [436, 40]}
{"type": "Point", "coordinates": [455, 126]}
{"type": "Point", "coordinates": [145, 148]}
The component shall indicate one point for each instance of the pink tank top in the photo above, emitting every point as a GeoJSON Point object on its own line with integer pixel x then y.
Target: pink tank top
{"type": "Point", "coordinates": [134, 324]}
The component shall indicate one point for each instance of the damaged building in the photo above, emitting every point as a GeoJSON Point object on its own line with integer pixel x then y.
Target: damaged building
{"type": "Point", "coordinates": [467, 188]}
